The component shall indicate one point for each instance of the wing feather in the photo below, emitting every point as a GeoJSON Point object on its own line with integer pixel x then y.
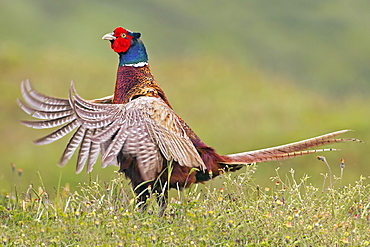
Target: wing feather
{"type": "Point", "coordinates": [42, 97]}
{"type": "Point", "coordinates": [45, 124]}
{"type": "Point", "coordinates": [115, 147]}
{"type": "Point", "coordinates": [93, 156]}
{"type": "Point", "coordinates": [165, 128]}
{"type": "Point", "coordinates": [57, 112]}
{"type": "Point", "coordinates": [51, 104]}
{"type": "Point", "coordinates": [144, 128]}
{"type": "Point", "coordinates": [106, 133]}
{"type": "Point", "coordinates": [43, 114]}
{"type": "Point", "coordinates": [72, 145]}
{"type": "Point", "coordinates": [83, 153]}
{"type": "Point", "coordinates": [146, 125]}
{"type": "Point", "coordinates": [57, 134]}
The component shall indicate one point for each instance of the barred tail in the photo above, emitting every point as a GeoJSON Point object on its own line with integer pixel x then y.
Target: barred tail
{"type": "Point", "coordinates": [287, 151]}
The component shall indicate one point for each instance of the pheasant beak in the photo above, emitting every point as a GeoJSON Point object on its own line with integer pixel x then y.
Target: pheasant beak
{"type": "Point", "coordinates": [109, 36]}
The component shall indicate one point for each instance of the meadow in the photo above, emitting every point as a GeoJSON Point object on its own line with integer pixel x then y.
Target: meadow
{"type": "Point", "coordinates": [244, 76]}
{"type": "Point", "coordinates": [292, 212]}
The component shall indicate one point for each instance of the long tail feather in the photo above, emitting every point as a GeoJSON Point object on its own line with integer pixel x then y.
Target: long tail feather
{"type": "Point", "coordinates": [287, 151]}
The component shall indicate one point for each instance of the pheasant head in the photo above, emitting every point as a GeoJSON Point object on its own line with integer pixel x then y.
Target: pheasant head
{"type": "Point", "coordinates": [129, 47]}
{"type": "Point", "coordinates": [134, 78]}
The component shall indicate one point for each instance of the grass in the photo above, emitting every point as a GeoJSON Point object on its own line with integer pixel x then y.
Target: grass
{"type": "Point", "coordinates": [290, 212]}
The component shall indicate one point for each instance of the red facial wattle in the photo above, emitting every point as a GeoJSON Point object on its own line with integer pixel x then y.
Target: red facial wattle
{"type": "Point", "coordinates": [123, 40]}
{"type": "Point", "coordinates": [121, 44]}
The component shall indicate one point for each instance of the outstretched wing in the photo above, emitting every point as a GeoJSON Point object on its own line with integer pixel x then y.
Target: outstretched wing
{"type": "Point", "coordinates": [58, 112]}
{"type": "Point", "coordinates": [145, 128]}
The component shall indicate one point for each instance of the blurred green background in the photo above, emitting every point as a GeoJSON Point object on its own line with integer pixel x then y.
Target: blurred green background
{"type": "Point", "coordinates": [243, 74]}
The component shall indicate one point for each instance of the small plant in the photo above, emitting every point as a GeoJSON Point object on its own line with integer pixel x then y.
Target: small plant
{"type": "Point", "coordinates": [290, 212]}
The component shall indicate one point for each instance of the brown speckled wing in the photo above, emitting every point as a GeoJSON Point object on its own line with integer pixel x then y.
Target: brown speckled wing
{"type": "Point", "coordinates": [58, 112]}
{"type": "Point", "coordinates": [145, 128]}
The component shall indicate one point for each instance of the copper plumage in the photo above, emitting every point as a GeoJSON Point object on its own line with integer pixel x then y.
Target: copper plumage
{"type": "Point", "coordinates": [137, 130]}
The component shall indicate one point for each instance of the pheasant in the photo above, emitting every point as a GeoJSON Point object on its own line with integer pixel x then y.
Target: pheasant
{"type": "Point", "coordinates": [137, 129]}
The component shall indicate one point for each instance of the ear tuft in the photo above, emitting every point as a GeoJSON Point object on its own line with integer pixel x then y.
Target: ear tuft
{"type": "Point", "coordinates": [136, 35]}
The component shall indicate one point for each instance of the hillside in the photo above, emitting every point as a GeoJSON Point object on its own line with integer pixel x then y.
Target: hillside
{"type": "Point", "coordinates": [243, 75]}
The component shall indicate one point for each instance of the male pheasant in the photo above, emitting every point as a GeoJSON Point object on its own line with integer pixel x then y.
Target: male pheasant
{"type": "Point", "coordinates": [137, 129]}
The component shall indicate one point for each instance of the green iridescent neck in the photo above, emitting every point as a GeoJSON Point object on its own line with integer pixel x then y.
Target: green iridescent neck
{"type": "Point", "coordinates": [135, 56]}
